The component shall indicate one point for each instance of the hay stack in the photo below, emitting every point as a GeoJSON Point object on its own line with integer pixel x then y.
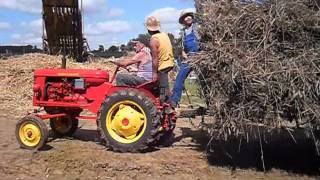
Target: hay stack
{"type": "Point", "coordinates": [261, 63]}
{"type": "Point", "coordinates": [16, 77]}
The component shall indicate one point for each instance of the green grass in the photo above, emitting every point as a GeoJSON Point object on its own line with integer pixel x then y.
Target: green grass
{"type": "Point", "coordinates": [191, 87]}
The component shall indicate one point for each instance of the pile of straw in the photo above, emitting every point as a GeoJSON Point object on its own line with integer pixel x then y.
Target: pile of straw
{"type": "Point", "coordinates": [261, 64]}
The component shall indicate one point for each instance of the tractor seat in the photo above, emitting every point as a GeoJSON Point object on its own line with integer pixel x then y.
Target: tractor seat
{"type": "Point", "coordinates": [148, 85]}
{"type": "Point", "coordinates": [151, 86]}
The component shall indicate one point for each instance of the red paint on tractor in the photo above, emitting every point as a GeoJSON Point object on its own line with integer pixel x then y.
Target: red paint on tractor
{"type": "Point", "coordinates": [125, 122]}
{"type": "Point", "coordinates": [55, 88]}
{"type": "Point", "coordinates": [29, 134]}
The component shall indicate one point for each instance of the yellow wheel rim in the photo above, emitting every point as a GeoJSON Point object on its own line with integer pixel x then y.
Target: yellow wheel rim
{"type": "Point", "coordinates": [29, 134]}
{"type": "Point", "coordinates": [126, 122]}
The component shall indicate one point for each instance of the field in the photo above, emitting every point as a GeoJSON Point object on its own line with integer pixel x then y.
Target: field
{"type": "Point", "coordinates": [184, 157]}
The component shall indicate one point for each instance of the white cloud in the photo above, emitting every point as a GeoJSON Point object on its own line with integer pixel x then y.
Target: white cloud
{"type": "Point", "coordinates": [94, 6]}
{"type": "Point", "coordinates": [114, 12]}
{"type": "Point", "coordinates": [5, 25]}
{"type": "Point", "coordinates": [28, 38]}
{"type": "Point", "coordinates": [169, 17]}
{"type": "Point", "coordinates": [34, 26]}
{"type": "Point", "coordinates": [108, 27]}
{"type": "Point", "coordinates": [169, 14]}
{"type": "Point", "coordinates": [35, 6]}
{"type": "Point", "coordinates": [31, 6]}
{"type": "Point", "coordinates": [30, 33]}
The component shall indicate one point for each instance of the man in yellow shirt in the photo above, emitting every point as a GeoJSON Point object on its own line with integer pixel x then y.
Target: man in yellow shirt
{"type": "Point", "coordinates": [162, 55]}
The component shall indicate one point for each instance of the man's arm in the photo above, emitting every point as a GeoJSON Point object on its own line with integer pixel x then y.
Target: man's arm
{"type": "Point", "coordinates": [154, 44]}
{"type": "Point", "coordinates": [127, 62]}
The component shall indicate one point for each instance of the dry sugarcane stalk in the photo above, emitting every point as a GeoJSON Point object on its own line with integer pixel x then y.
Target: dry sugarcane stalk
{"type": "Point", "coordinates": [261, 63]}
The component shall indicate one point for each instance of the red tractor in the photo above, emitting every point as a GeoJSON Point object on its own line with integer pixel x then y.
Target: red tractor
{"type": "Point", "coordinates": [129, 119]}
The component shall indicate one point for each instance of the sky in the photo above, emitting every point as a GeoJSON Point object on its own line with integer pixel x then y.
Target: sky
{"type": "Point", "coordinates": [106, 22]}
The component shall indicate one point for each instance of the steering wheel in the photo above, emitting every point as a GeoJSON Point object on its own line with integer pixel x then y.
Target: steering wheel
{"type": "Point", "coordinates": [118, 67]}
{"type": "Point", "coordinates": [116, 71]}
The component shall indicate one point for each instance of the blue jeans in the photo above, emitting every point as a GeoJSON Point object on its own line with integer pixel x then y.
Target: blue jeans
{"type": "Point", "coordinates": [179, 85]}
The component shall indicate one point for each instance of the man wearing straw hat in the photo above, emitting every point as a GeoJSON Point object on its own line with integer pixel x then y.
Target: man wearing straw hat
{"type": "Point", "coordinates": [162, 55]}
{"type": "Point", "coordinates": [143, 59]}
{"type": "Point", "coordinates": [190, 45]}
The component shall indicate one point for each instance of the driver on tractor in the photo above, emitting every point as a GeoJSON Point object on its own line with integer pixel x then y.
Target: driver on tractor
{"type": "Point", "coordinates": [143, 59]}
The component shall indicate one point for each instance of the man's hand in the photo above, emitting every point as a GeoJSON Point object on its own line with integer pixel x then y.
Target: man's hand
{"type": "Point", "coordinates": [184, 55]}
{"type": "Point", "coordinates": [155, 76]}
{"type": "Point", "coordinates": [115, 62]}
{"type": "Point", "coordinates": [132, 69]}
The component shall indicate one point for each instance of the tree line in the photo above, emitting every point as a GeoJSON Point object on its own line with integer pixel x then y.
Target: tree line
{"type": "Point", "coordinates": [124, 49]}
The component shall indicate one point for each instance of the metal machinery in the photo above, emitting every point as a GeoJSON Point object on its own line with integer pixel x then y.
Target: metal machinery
{"type": "Point", "coordinates": [129, 119]}
{"type": "Point", "coordinates": [62, 31]}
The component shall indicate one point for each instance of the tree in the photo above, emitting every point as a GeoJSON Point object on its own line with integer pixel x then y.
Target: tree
{"type": "Point", "coordinates": [101, 48]}
{"type": "Point", "coordinates": [177, 46]}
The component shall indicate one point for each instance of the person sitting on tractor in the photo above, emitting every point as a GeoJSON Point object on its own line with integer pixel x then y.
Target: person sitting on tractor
{"type": "Point", "coordinates": [143, 59]}
{"type": "Point", "coordinates": [190, 45]}
{"type": "Point", "coordinates": [162, 55]}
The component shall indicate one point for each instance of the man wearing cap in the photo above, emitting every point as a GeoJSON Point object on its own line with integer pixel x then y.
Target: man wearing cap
{"type": "Point", "coordinates": [190, 45]}
{"type": "Point", "coordinates": [143, 59]}
{"type": "Point", "coordinates": [162, 55]}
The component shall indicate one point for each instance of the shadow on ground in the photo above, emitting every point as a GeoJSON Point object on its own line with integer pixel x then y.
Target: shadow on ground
{"type": "Point", "coordinates": [87, 135]}
{"type": "Point", "coordinates": [279, 152]}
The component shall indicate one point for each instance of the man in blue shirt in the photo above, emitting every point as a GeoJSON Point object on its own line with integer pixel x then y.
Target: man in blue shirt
{"type": "Point", "coordinates": [190, 44]}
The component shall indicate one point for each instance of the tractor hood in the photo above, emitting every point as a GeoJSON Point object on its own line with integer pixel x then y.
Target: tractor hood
{"type": "Point", "coordinates": [72, 73]}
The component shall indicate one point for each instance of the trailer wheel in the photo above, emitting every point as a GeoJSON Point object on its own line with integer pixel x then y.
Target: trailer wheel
{"type": "Point", "coordinates": [128, 121]}
{"type": "Point", "coordinates": [64, 126]}
{"type": "Point", "coordinates": [31, 133]}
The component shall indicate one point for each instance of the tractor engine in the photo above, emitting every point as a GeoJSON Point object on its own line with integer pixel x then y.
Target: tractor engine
{"type": "Point", "coordinates": [68, 91]}
{"type": "Point", "coordinates": [66, 85]}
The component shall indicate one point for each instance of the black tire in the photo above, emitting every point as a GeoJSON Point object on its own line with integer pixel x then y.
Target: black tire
{"type": "Point", "coordinates": [151, 133]}
{"type": "Point", "coordinates": [40, 124]}
{"type": "Point", "coordinates": [64, 126]}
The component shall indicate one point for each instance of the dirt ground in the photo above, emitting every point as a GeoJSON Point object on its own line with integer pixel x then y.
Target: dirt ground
{"type": "Point", "coordinates": [84, 158]}
{"type": "Point", "coordinates": [186, 157]}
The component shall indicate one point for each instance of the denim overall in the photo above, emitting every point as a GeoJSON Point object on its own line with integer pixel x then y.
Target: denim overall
{"type": "Point", "coordinates": [191, 46]}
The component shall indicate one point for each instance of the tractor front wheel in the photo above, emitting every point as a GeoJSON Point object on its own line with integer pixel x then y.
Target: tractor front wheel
{"type": "Point", "coordinates": [31, 133]}
{"type": "Point", "coordinates": [64, 126]}
{"type": "Point", "coordinates": [128, 121]}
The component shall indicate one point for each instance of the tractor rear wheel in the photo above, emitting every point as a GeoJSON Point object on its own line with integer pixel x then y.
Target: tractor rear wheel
{"type": "Point", "coordinates": [128, 121]}
{"type": "Point", "coordinates": [64, 126]}
{"type": "Point", "coordinates": [31, 133]}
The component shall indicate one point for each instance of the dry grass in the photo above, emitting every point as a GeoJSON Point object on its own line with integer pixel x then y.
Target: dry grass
{"type": "Point", "coordinates": [261, 64]}
{"type": "Point", "coordinates": [16, 77]}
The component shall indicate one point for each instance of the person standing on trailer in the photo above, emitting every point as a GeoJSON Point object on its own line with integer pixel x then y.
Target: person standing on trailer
{"type": "Point", "coordinates": [190, 45]}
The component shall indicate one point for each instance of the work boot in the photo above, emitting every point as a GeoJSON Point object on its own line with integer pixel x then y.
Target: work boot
{"type": "Point", "coordinates": [169, 110]}
{"type": "Point", "coordinates": [174, 104]}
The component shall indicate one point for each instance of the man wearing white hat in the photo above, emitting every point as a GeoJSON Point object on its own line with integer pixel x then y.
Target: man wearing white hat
{"type": "Point", "coordinates": [162, 55]}
{"type": "Point", "coordinates": [190, 45]}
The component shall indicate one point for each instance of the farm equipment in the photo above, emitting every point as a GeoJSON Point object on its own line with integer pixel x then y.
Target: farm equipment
{"type": "Point", "coordinates": [129, 119]}
{"type": "Point", "coordinates": [63, 29]}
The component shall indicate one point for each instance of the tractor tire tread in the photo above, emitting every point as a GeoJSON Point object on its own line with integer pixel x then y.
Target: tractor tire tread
{"type": "Point", "coordinates": [150, 108]}
{"type": "Point", "coordinates": [43, 129]}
